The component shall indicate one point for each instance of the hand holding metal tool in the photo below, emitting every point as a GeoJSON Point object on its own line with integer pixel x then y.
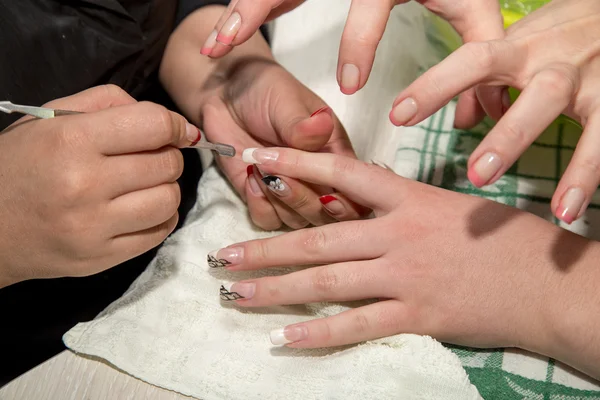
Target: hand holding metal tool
{"type": "Point", "coordinates": [45, 113]}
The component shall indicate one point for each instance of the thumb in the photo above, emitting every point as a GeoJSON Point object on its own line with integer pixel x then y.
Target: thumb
{"type": "Point", "coordinates": [299, 129]}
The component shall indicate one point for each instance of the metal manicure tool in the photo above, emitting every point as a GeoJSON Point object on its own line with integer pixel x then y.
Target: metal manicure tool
{"type": "Point", "coordinates": [45, 113]}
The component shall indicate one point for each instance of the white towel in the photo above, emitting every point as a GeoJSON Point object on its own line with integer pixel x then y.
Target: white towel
{"type": "Point", "coordinates": [171, 330]}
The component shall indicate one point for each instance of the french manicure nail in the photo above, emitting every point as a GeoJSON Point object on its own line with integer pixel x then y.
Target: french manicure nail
{"type": "Point", "coordinates": [288, 334]}
{"type": "Point", "coordinates": [236, 291]}
{"type": "Point", "coordinates": [570, 205]}
{"type": "Point", "coordinates": [350, 78]}
{"type": "Point", "coordinates": [259, 156]}
{"type": "Point", "coordinates": [230, 29]}
{"type": "Point", "coordinates": [405, 111]}
{"type": "Point", "coordinates": [192, 134]}
{"type": "Point", "coordinates": [484, 169]}
{"type": "Point", "coordinates": [277, 185]}
{"type": "Point", "coordinates": [332, 204]}
{"type": "Point", "coordinates": [326, 109]}
{"type": "Point", "coordinates": [210, 43]}
{"type": "Point", "coordinates": [225, 257]}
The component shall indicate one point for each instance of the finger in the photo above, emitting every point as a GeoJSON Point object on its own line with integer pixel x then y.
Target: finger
{"type": "Point", "coordinates": [366, 184]}
{"type": "Point", "coordinates": [288, 216]}
{"type": "Point", "coordinates": [338, 282]}
{"type": "Point", "coordinates": [298, 198]}
{"type": "Point", "coordinates": [322, 245]}
{"type": "Point", "coordinates": [364, 29]}
{"type": "Point", "coordinates": [469, 111]}
{"type": "Point", "coordinates": [143, 209]}
{"type": "Point", "coordinates": [582, 177]}
{"type": "Point", "coordinates": [94, 99]}
{"type": "Point", "coordinates": [342, 209]}
{"type": "Point", "coordinates": [136, 127]}
{"type": "Point", "coordinates": [128, 246]}
{"type": "Point", "coordinates": [472, 64]}
{"type": "Point", "coordinates": [546, 96]}
{"type": "Point", "coordinates": [368, 322]}
{"type": "Point", "coordinates": [145, 170]}
{"type": "Point", "coordinates": [261, 210]}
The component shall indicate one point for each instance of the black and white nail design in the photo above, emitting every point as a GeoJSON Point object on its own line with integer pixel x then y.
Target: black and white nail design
{"type": "Point", "coordinates": [227, 295]}
{"type": "Point", "coordinates": [275, 184]}
{"type": "Point", "coordinates": [214, 262]}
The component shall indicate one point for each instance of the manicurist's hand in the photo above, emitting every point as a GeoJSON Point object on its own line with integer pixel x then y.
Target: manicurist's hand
{"type": "Point", "coordinates": [462, 269]}
{"type": "Point", "coordinates": [552, 56]}
{"type": "Point", "coordinates": [83, 193]}
{"type": "Point", "coordinates": [474, 20]}
{"type": "Point", "coordinates": [246, 99]}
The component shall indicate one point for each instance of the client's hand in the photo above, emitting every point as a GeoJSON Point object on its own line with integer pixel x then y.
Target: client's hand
{"type": "Point", "coordinates": [552, 55]}
{"type": "Point", "coordinates": [462, 269]}
{"type": "Point", "coordinates": [474, 20]}
{"type": "Point", "coordinates": [248, 100]}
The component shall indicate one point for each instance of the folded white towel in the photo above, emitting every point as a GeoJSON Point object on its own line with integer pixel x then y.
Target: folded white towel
{"type": "Point", "coordinates": [170, 329]}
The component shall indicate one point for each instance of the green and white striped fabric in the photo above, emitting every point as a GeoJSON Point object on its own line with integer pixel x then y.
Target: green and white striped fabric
{"type": "Point", "coordinates": [435, 153]}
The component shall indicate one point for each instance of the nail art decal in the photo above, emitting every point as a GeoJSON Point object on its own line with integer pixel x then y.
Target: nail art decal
{"type": "Point", "coordinates": [274, 183]}
{"type": "Point", "coordinates": [227, 295]}
{"type": "Point", "coordinates": [214, 262]}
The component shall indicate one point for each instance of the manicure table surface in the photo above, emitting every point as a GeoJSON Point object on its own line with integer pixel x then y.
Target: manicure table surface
{"type": "Point", "coordinates": [68, 376]}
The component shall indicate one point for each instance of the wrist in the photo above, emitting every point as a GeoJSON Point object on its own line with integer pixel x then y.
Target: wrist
{"type": "Point", "coordinates": [191, 78]}
{"type": "Point", "coordinates": [569, 328]}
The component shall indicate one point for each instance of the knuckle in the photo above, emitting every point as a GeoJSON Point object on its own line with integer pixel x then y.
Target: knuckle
{"type": "Point", "coordinates": [73, 184]}
{"type": "Point", "coordinates": [482, 53]}
{"type": "Point", "coordinates": [300, 201]}
{"type": "Point", "coordinates": [112, 90]}
{"type": "Point", "coordinates": [591, 165]}
{"type": "Point", "coordinates": [514, 133]}
{"type": "Point", "coordinates": [297, 223]}
{"type": "Point", "coordinates": [558, 81]}
{"type": "Point", "coordinates": [343, 167]}
{"type": "Point", "coordinates": [161, 120]}
{"type": "Point", "coordinates": [265, 220]}
{"type": "Point", "coordinates": [315, 242]}
{"type": "Point", "coordinates": [171, 163]}
{"type": "Point", "coordinates": [258, 251]}
{"type": "Point", "coordinates": [325, 281]}
{"type": "Point", "coordinates": [172, 197]}
{"type": "Point", "coordinates": [361, 323]}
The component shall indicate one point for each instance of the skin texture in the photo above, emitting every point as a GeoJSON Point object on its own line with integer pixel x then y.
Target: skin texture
{"type": "Point", "coordinates": [473, 20]}
{"type": "Point", "coordinates": [553, 56]}
{"type": "Point", "coordinates": [76, 195]}
{"type": "Point", "coordinates": [467, 289]}
{"type": "Point", "coordinates": [246, 99]}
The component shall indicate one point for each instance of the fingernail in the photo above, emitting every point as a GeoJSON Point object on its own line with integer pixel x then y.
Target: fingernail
{"type": "Point", "coordinates": [277, 185]}
{"type": "Point", "coordinates": [225, 257]}
{"type": "Point", "coordinates": [192, 134]}
{"type": "Point", "coordinates": [250, 170]}
{"type": "Point", "coordinates": [570, 205]}
{"type": "Point", "coordinates": [404, 111]}
{"type": "Point", "coordinates": [230, 29]}
{"type": "Point", "coordinates": [236, 291]}
{"type": "Point", "coordinates": [288, 334]}
{"type": "Point", "coordinates": [259, 156]}
{"type": "Point", "coordinates": [506, 103]}
{"type": "Point", "coordinates": [484, 169]}
{"type": "Point", "coordinates": [332, 204]}
{"type": "Point", "coordinates": [326, 109]}
{"type": "Point", "coordinates": [208, 46]}
{"type": "Point", "coordinates": [350, 78]}
{"type": "Point", "coordinates": [255, 187]}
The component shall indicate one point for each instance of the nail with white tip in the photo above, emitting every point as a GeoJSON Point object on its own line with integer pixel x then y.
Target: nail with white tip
{"type": "Point", "coordinates": [237, 291]}
{"type": "Point", "coordinates": [259, 156]}
{"type": "Point", "coordinates": [290, 334]}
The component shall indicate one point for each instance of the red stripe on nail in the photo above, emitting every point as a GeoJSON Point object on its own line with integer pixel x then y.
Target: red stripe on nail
{"type": "Point", "coordinates": [320, 110]}
{"type": "Point", "coordinates": [226, 40]}
{"type": "Point", "coordinates": [250, 170]}
{"type": "Point", "coordinates": [327, 199]}
{"type": "Point", "coordinates": [195, 142]}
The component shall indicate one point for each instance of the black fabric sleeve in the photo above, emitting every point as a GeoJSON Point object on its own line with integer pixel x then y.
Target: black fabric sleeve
{"type": "Point", "coordinates": [186, 7]}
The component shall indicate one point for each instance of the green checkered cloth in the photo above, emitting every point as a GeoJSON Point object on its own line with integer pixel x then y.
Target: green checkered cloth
{"type": "Point", "coordinates": [435, 153]}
